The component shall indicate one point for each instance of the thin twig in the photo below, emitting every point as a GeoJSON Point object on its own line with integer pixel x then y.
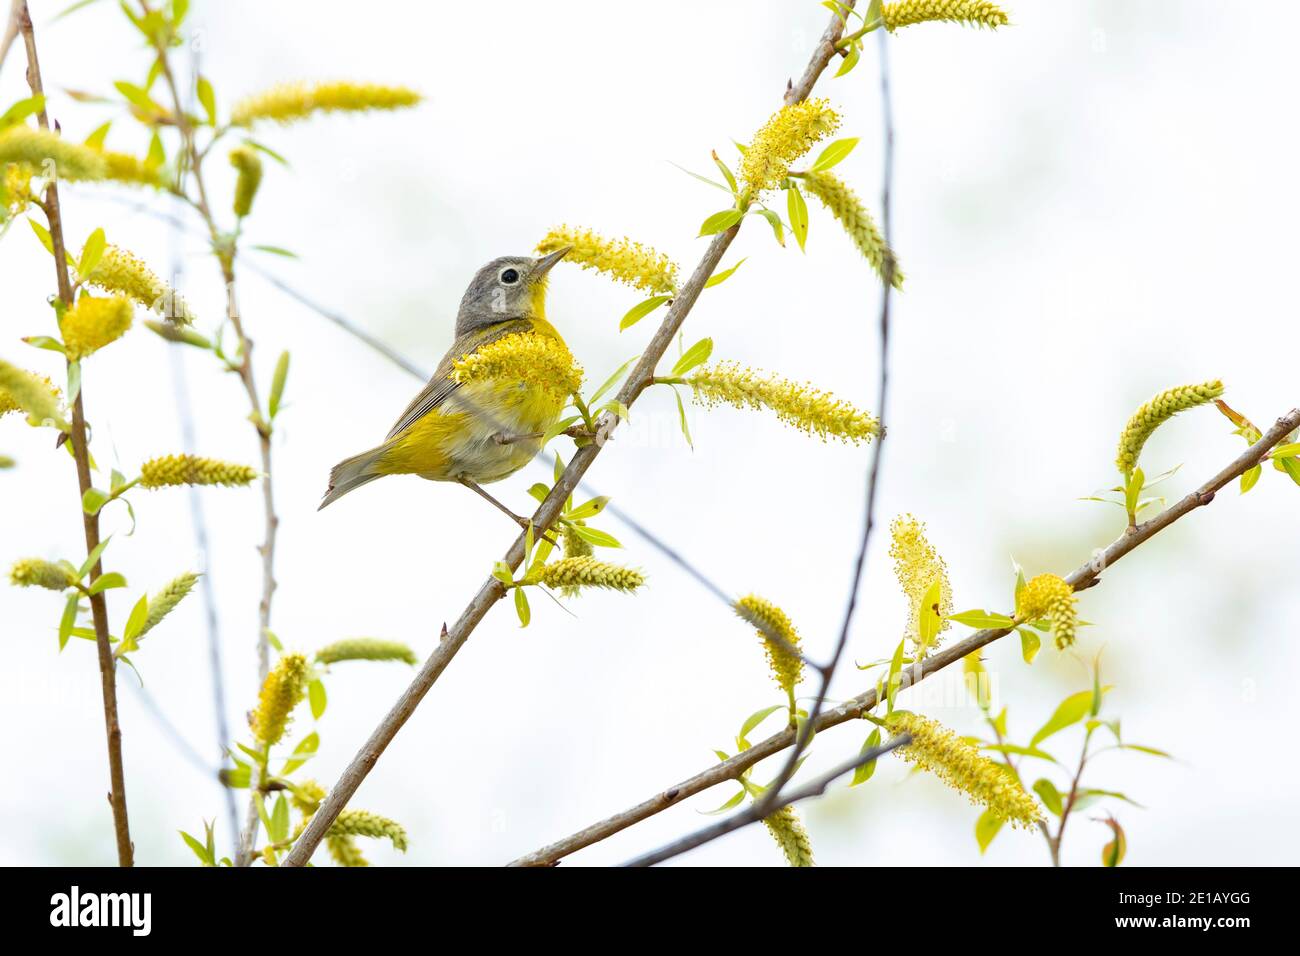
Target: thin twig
{"type": "Point", "coordinates": [1085, 576]}
{"type": "Point", "coordinates": [81, 454]}
{"type": "Point", "coordinates": [492, 590]}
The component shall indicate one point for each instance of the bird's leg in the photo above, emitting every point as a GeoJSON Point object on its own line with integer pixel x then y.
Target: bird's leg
{"type": "Point", "coordinates": [522, 522]}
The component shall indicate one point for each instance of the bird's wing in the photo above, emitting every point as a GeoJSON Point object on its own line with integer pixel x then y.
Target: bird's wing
{"type": "Point", "coordinates": [441, 386]}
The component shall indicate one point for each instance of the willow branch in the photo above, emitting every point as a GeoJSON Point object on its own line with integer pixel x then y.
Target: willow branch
{"type": "Point", "coordinates": [454, 638]}
{"type": "Point", "coordinates": [81, 455]}
{"type": "Point", "coordinates": [1085, 576]}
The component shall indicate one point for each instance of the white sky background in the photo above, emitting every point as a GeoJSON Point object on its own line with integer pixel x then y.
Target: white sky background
{"type": "Point", "coordinates": [1090, 206]}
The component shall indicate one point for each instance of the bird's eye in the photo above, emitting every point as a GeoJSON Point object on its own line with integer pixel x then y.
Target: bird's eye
{"type": "Point", "coordinates": [510, 276]}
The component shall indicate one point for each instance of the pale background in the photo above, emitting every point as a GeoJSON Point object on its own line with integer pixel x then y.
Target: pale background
{"type": "Point", "coordinates": [1092, 205]}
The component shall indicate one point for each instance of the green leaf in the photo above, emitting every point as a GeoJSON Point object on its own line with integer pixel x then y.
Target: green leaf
{"type": "Point", "coordinates": [105, 581]}
{"type": "Point", "coordinates": [538, 491]}
{"type": "Point", "coordinates": [305, 750]}
{"type": "Point", "coordinates": [723, 276]}
{"type": "Point", "coordinates": [612, 380]}
{"type": "Point", "coordinates": [276, 251]}
{"type": "Point", "coordinates": [135, 622]}
{"type": "Point", "coordinates": [726, 173]}
{"type": "Point", "coordinates": [981, 619]}
{"type": "Point", "coordinates": [1289, 450]}
{"type": "Point", "coordinates": [640, 311]}
{"type": "Point", "coordinates": [895, 674]}
{"type": "Point", "coordinates": [93, 558]}
{"type": "Point", "coordinates": [696, 355]}
{"type": "Point", "coordinates": [757, 717]}
{"type": "Point", "coordinates": [521, 607]}
{"type": "Point", "coordinates": [929, 620]}
{"type": "Point", "coordinates": [733, 802]}
{"type": "Point", "coordinates": [835, 153]}
{"type": "Point", "coordinates": [1030, 644]}
{"type": "Point", "coordinates": [42, 234]}
{"type": "Point", "coordinates": [797, 212]}
{"type": "Point", "coordinates": [501, 571]}
{"type": "Point", "coordinates": [21, 110]}
{"type": "Point", "coordinates": [316, 698]}
{"type": "Point", "coordinates": [1112, 854]}
{"type": "Point", "coordinates": [91, 253]}
{"type": "Point", "coordinates": [778, 227]}
{"type": "Point", "coordinates": [278, 827]}
{"type": "Point", "coordinates": [986, 828]}
{"type": "Point", "coordinates": [1017, 749]}
{"type": "Point", "coordinates": [208, 98]}
{"type": "Point", "coordinates": [681, 414]}
{"type": "Point", "coordinates": [1291, 466]}
{"type": "Point", "coordinates": [263, 148]}
{"type": "Point", "coordinates": [139, 97]}
{"type": "Point", "coordinates": [93, 499]}
{"type": "Point", "coordinates": [704, 179]}
{"type": "Point", "coordinates": [588, 509]}
{"type": "Point", "coordinates": [1071, 710]}
{"type": "Point", "coordinates": [850, 59]}
{"type": "Point", "coordinates": [601, 539]}
{"type": "Point", "coordinates": [1249, 478]}
{"type": "Point", "coordinates": [1147, 750]}
{"type": "Point", "coordinates": [199, 849]}
{"type": "Point", "coordinates": [1050, 796]}
{"type": "Point", "coordinates": [720, 221]}
{"type": "Point", "coordinates": [45, 342]}
{"type": "Point", "coordinates": [69, 619]}
{"type": "Point", "coordinates": [277, 384]}
{"type": "Point", "coordinates": [863, 773]}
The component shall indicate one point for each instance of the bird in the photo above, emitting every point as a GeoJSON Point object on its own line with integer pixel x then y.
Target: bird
{"type": "Point", "coordinates": [480, 431]}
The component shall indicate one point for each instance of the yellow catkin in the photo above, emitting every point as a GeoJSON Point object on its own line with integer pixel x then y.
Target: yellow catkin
{"type": "Point", "coordinates": [121, 272]}
{"type": "Point", "coordinates": [800, 405]}
{"type": "Point", "coordinates": [976, 13]}
{"type": "Point", "coordinates": [291, 102]}
{"type": "Point", "coordinates": [585, 572]}
{"type": "Point", "coordinates": [192, 470]}
{"type": "Point", "coordinates": [15, 189]}
{"type": "Point", "coordinates": [788, 134]}
{"type": "Point", "coordinates": [958, 764]}
{"type": "Point", "coordinates": [539, 360]}
{"type": "Point", "coordinates": [132, 171]}
{"type": "Point", "coordinates": [36, 573]}
{"type": "Point", "coordinates": [94, 322]}
{"type": "Point", "coordinates": [918, 565]}
{"type": "Point", "coordinates": [28, 392]}
{"type": "Point", "coordinates": [165, 601]}
{"type": "Point", "coordinates": [344, 851]}
{"type": "Point", "coordinates": [779, 637]}
{"type": "Point", "coordinates": [248, 163]}
{"type": "Point", "coordinates": [1155, 413]}
{"type": "Point", "coordinates": [365, 649]}
{"type": "Point", "coordinates": [788, 831]}
{"type": "Point", "coordinates": [845, 206]}
{"type": "Point", "coordinates": [282, 691]}
{"type": "Point", "coordinates": [48, 153]}
{"type": "Point", "coordinates": [622, 259]}
{"type": "Point", "coordinates": [307, 796]}
{"type": "Point", "coordinates": [6, 462]}
{"type": "Point", "coordinates": [1049, 596]}
{"type": "Point", "coordinates": [365, 823]}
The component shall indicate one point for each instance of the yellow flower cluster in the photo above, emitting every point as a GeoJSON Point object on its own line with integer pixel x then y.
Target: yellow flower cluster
{"type": "Point", "coordinates": [958, 764]}
{"type": "Point", "coordinates": [540, 360]}
{"type": "Point", "coordinates": [365, 649]}
{"type": "Point", "coordinates": [788, 831]}
{"type": "Point", "coordinates": [307, 796]}
{"type": "Point", "coordinates": [290, 102]}
{"type": "Point", "coordinates": [622, 259]}
{"type": "Point", "coordinates": [248, 164]}
{"type": "Point", "coordinates": [788, 134]}
{"type": "Point", "coordinates": [15, 189]}
{"type": "Point", "coordinates": [1049, 596]}
{"type": "Point", "coordinates": [584, 572]}
{"type": "Point", "coordinates": [45, 153]}
{"type": "Point", "coordinates": [344, 851]}
{"type": "Point", "coordinates": [132, 171]}
{"type": "Point", "coordinates": [918, 565]}
{"type": "Point", "coordinates": [35, 573]}
{"type": "Point", "coordinates": [282, 691]}
{"type": "Point", "coordinates": [121, 272]}
{"type": "Point", "coordinates": [1155, 413]}
{"type": "Point", "coordinates": [165, 601]}
{"type": "Point", "coordinates": [34, 394]}
{"type": "Point", "coordinates": [365, 823]}
{"type": "Point", "coordinates": [845, 206]}
{"type": "Point", "coordinates": [193, 470]}
{"type": "Point", "coordinates": [94, 322]}
{"type": "Point", "coordinates": [978, 13]}
{"type": "Point", "coordinates": [800, 405]}
{"type": "Point", "coordinates": [779, 637]}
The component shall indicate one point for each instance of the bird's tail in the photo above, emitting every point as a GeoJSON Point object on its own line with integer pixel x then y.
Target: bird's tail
{"type": "Point", "coordinates": [352, 473]}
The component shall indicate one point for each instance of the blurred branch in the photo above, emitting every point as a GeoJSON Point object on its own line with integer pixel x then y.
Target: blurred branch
{"type": "Point", "coordinates": [492, 590]}
{"type": "Point", "coordinates": [81, 455]}
{"type": "Point", "coordinates": [1083, 577]}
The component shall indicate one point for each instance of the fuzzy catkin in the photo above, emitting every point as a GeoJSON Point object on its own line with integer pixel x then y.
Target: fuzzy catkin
{"type": "Point", "coordinates": [976, 13]}
{"type": "Point", "coordinates": [122, 272]}
{"type": "Point", "coordinates": [1052, 597]}
{"type": "Point", "coordinates": [193, 470]}
{"type": "Point", "coordinates": [958, 764]}
{"type": "Point", "coordinates": [802, 406]}
{"type": "Point", "coordinates": [622, 259]}
{"type": "Point", "coordinates": [47, 152]}
{"type": "Point", "coordinates": [344, 851]}
{"type": "Point", "coordinates": [845, 206]}
{"type": "Point", "coordinates": [587, 572]}
{"type": "Point", "coordinates": [1155, 413]}
{"type": "Point", "coordinates": [165, 601]}
{"type": "Point", "coordinates": [917, 566]}
{"type": "Point", "coordinates": [284, 688]}
{"type": "Point", "coordinates": [788, 831]}
{"type": "Point", "coordinates": [37, 573]}
{"type": "Point", "coordinates": [93, 322]}
{"type": "Point", "coordinates": [779, 637]}
{"type": "Point", "coordinates": [132, 171]}
{"type": "Point", "coordinates": [365, 649]}
{"type": "Point", "coordinates": [248, 163]}
{"type": "Point", "coordinates": [291, 102]}
{"type": "Point", "coordinates": [365, 823]}
{"type": "Point", "coordinates": [787, 135]}
{"type": "Point", "coordinates": [34, 394]}
{"type": "Point", "coordinates": [539, 360]}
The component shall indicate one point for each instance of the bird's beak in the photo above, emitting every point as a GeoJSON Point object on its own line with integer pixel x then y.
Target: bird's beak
{"type": "Point", "coordinates": [545, 263]}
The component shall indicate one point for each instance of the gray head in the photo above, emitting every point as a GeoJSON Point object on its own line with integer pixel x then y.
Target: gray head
{"type": "Point", "coordinates": [512, 287]}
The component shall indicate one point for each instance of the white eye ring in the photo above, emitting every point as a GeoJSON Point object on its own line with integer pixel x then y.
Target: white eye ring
{"type": "Point", "coordinates": [509, 276]}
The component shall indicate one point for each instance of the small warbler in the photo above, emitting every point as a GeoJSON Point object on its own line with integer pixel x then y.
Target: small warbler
{"type": "Point", "coordinates": [484, 429]}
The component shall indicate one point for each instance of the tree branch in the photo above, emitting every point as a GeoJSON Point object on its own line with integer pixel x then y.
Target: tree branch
{"type": "Point", "coordinates": [81, 455]}
{"type": "Point", "coordinates": [492, 590]}
{"type": "Point", "coordinates": [1085, 576]}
